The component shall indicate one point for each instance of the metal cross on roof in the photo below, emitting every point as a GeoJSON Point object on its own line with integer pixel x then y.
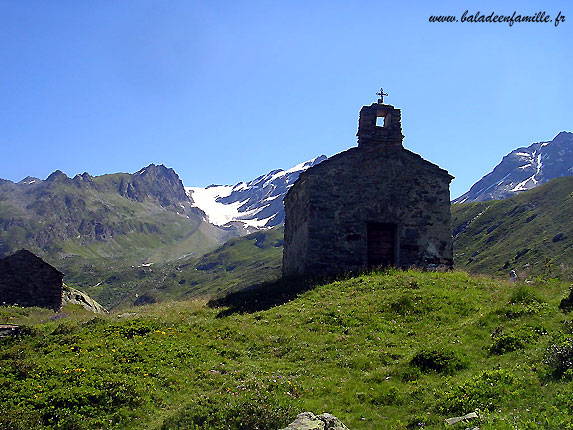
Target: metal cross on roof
{"type": "Point", "coordinates": [381, 94]}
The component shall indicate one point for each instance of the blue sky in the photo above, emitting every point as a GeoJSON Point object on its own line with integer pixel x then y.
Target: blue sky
{"type": "Point", "coordinates": [225, 91]}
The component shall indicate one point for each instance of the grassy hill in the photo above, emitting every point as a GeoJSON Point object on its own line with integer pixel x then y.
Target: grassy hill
{"type": "Point", "coordinates": [383, 350]}
{"type": "Point", "coordinates": [531, 233]}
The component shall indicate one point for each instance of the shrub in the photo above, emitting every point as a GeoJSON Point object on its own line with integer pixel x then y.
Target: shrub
{"type": "Point", "coordinates": [439, 360]}
{"type": "Point", "coordinates": [257, 411]}
{"type": "Point", "coordinates": [131, 328]}
{"type": "Point", "coordinates": [95, 321]}
{"type": "Point", "coordinates": [387, 396]}
{"type": "Point", "coordinates": [523, 301]}
{"type": "Point", "coordinates": [65, 328]}
{"type": "Point", "coordinates": [483, 391]}
{"type": "Point", "coordinates": [524, 295]}
{"type": "Point", "coordinates": [19, 420]}
{"type": "Point", "coordinates": [507, 343]}
{"type": "Point", "coordinates": [407, 305]}
{"type": "Point", "coordinates": [410, 373]}
{"type": "Point", "coordinates": [26, 330]}
{"type": "Point", "coordinates": [567, 302]}
{"type": "Point", "coordinates": [421, 420]}
{"type": "Point", "coordinates": [516, 340]}
{"type": "Point", "coordinates": [559, 359]}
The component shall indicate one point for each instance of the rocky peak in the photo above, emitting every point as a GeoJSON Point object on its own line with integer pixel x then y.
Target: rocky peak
{"type": "Point", "coordinates": [156, 181]}
{"type": "Point", "coordinates": [29, 180]}
{"type": "Point", "coordinates": [57, 175]}
{"type": "Point", "coordinates": [157, 170]}
{"type": "Point", "coordinates": [564, 135]}
{"type": "Point", "coordinates": [84, 176]}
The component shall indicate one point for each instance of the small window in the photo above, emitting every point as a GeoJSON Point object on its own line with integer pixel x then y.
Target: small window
{"type": "Point", "coordinates": [380, 121]}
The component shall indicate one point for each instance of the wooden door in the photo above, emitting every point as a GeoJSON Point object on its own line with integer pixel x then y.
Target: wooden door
{"type": "Point", "coordinates": [381, 238]}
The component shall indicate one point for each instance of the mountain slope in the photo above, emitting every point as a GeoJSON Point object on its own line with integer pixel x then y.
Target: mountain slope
{"type": "Point", "coordinates": [531, 233]}
{"type": "Point", "coordinates": [252, 205]}
{"type": "Point", "coordinates": [87, 226]}
{"type": "Point", "coordinates": [523, 169]}
{"type": "Point", "coordinates": [239, 263]}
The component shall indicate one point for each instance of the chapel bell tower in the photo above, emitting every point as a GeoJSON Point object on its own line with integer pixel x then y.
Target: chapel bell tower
{"type": "Point", "coordinates": [380, 124]}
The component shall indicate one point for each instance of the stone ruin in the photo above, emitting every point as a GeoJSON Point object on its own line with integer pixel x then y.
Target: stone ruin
{"type": "Point", "coordinates": [376, 204]}
{"type": "Point", "coordinates": [27, 280]}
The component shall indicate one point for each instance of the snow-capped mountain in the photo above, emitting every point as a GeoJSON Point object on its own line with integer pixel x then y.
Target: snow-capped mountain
{"type": "Point", "coordinates": [252, 205]}
{"type": "Point", "coordinates": [523, 169]}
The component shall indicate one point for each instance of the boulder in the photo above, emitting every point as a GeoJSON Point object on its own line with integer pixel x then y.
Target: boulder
{"type": "Point", "coordinates": [77, 297]}
{"type": "Point", "coordinates": [309, 421]}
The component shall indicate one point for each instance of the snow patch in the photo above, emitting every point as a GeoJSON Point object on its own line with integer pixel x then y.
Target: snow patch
{"type": "Point", "coordinates": [221, 214]}
{"type": "Point", "coordinates": [522, 186]}
{"type": "Point", "coordinates": [480, 214]}
{"type": "Point", "coordinates": [539, 164]}
{"type": "Point", "coordinates": [257, 223]}
{"type": "Point", "coordinates": [240, 186]}
{"type": "Point", "coordinates": [270, 199]}
{"type": "Point", "coordinates": [206, 200]}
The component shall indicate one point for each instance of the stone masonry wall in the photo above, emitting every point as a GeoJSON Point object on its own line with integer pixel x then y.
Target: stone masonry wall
{"type": "Point", "coordinates": [27, 280]}
{"type": "Point", "coordinates": [297, 235]}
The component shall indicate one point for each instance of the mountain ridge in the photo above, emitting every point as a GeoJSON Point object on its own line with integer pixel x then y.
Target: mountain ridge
{"type": "Point", "coordinates": [89, 226]}
{"type": "Point", "coordinates": [524, 168]}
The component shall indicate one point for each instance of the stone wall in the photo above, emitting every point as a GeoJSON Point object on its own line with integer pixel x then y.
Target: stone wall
{"type": "Point", "coordinates": [297, 234]}
{"type": "Point", "coordinates": [330, 206]}
{"type": "Point", "coordinates": [27, 280]}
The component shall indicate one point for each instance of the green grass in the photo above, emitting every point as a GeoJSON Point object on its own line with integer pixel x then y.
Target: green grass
{"type": "Point", "coordinates": [386, 350]}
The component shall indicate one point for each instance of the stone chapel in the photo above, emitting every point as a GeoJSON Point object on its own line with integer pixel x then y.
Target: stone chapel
{"type": "Point", "coordinates": [376, 204]}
